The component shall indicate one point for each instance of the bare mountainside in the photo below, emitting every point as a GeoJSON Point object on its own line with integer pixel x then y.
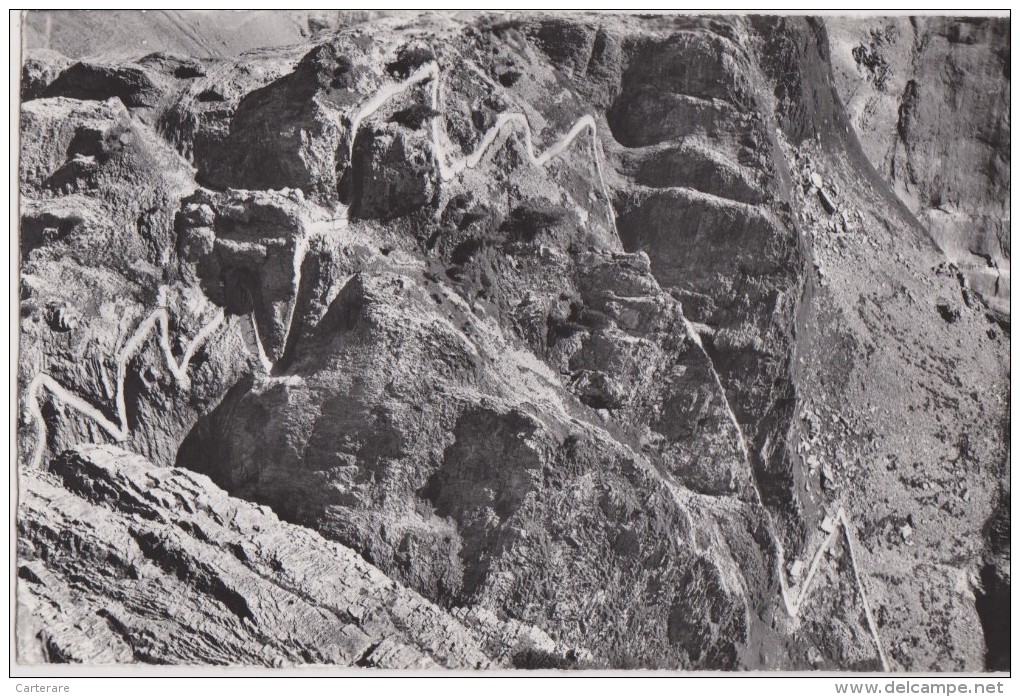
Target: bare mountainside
{"type": "Point", "coordinates": [929, 98]}
{"type": "Point", "coordinates": [477, 341]}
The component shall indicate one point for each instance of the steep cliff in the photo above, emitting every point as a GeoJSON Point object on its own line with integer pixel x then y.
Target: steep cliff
{"type": "Point", "coordinates": [929, 98]}
{"type": "Point", "coordinates": [577, 342]}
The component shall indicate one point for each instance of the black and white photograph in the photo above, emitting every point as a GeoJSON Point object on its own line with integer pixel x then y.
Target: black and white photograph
{"type": "Point", "coordinates": [468, 343]}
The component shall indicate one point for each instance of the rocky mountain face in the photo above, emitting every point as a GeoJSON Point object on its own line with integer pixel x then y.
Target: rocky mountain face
{"type": "Point", "coordinates": [125, 562]}
{"type": "Point", "coordinates": [502, 341]}
{"type": "Point", "coordinates": [929, 100]}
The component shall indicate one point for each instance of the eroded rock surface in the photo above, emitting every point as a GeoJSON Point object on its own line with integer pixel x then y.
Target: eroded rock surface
{"type": "Point", "coordinates": [498, 341]}
{"type": "Point", "coordinates": [121, 561]}
{"type": "Point", "coordinates": [930, 98]}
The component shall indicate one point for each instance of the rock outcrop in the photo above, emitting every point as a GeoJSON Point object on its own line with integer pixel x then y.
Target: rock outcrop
{"type": "Point", "coordinates": [524, 341]}
{"type": "Point", "coordinates": [122, 561]}
{"type": "Point", "coordinates": [929, 98]}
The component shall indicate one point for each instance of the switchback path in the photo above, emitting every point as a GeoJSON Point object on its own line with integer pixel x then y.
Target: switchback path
{"type": "Point", "coordinates": [449, 167]}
